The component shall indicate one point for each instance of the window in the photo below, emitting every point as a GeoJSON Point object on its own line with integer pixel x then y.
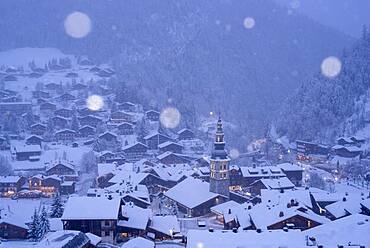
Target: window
{"type": "Point", "coordinates": [106, 233]}
{"type": "Point", "coordinates": [106, 223]}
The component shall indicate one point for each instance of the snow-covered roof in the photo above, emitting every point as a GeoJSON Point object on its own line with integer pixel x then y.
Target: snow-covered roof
{"type": "Point", "coordinates": [81, 208]}
{"type": "Point", "coordinates": [64, 238]}
{"type": "Point", "coordinates": [137, 218]}
{"type": "Point", "coordinates": [354, 229]}
{"type": "Point", "coordinates": [138, 242]}
{"type": "Point", "coordinates": [191, 192]}
{"type": "Point", "coordinates": [167, 143]}
{"type": "Point", "coordinates": [300, 195]}
{"type": "Point", "coordinates": [348, 204]}
{"type": "Point", "coordinates": [277, 183]}
{"type": "Point", "coordinates": [265, 171]}
{"type": "Point", "coordinates": [165, 224]}
{"type": "Point", "coordinates": [27, 148]}
{"type": "Point", "coordinates": [223, 208]}
{"type": "Point", "coordinates": [290, 167]}
{"type": "Point", "coordinates": [229, 239]}
{"type": "Point", "coordinates": [9, 179]}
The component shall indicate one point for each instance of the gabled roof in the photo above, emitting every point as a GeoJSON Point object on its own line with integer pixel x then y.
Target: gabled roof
{"type": "Point", "coordinates": [168, 143]}
{"type": "Point", "coordinates": [133, 145]}
{"type": "Point", "coordinates": [137, 218]}
{"type": "Point", "coordinates": [90, 208]}
{"type": "Point", "coordinates": [198, 189]}
{"type": "Point", "coordinates": [149, 136]}
{"type": "Point", "coordinates": [65, 131]}
{"type": "Point", "coordinates": [167, 225]}
{"type": "Point", "coordinates": [107, 133]}
{"type": "Point", "coordinates": [277, 183]}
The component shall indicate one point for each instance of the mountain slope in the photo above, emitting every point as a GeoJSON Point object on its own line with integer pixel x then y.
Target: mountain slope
{"type": "Point", "coordinates": [197, 53]}
{"type": "Point", "coordinates": [323, 109]}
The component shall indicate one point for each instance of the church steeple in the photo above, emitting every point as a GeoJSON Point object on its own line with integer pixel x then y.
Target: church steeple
{"type": "Point", "coordinates": [219, 164]}
{"type": "Point", "coordinates": [219, 143]}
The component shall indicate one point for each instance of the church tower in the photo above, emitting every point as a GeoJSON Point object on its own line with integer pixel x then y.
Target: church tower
{"type": "Point", "coordinates": [219, 180]}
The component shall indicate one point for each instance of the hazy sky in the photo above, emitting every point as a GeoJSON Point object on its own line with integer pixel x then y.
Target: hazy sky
{"type": "Point", "coordinates": [345, 15]}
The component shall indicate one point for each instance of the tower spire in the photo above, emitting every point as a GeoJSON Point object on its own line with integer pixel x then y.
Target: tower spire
{"type": "Point", "coordinates": [219, 163]}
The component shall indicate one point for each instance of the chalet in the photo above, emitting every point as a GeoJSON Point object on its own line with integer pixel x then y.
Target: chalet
{"type": "Point", "coordinates": [67, 188]}
{"type": "Point", "coordinates": [85, 61]}
{"type": "Point", "coordinates": [61, 169]}
{"type": "Point", "coordinates": [85, 214]}
{"type": "Point", "coordinates": [282, 183]}
{"type": "Point", "coordinates": [105, 155]}
{"type": "Point", "coordinates": [185, 134]}
{"type": "Point", "coordinates": [125, 128]}
{"type": "Point", "coordinates": [17, 108]}
{"type": "Point", "coordinates": [347, 151]}
{"type": "Point", "coordinates": [172, 158]}
{"type": "Point", "coordinates": [152, 115]}
{"type": "Point", "coordinates": [121, 116]}
{"type": "Point", "coordinates": [95, 69]}
{"type": "Point", "coordinates": [293, 172]}
{"type": "Point", "coordinates": [90, 120]}
{"type": "Point", "coordinates": [344, 141]}
{"type": "Point", "coordinates": [164, 227]}
{"type": "Point", "coordinates": [34, 140]}
{"type": "Point", "coordinates": [153, 140]}
{"type": "Point", "coordinates": [108, 137]}
{"type": "Point", "coordinates": [47, 106]}
{"type": "Point", "coordinates": [38, 129]}
{"type": "Point", "coordinates": [27, 152]}
{"type": "Point", "coordinates": [66, 97]}
{"type": "Point", "coordinates": [86, 111]}
{"type": "Point", "coordinates": [64, 112]}
{"type": "Point", "coordinates": [305, 149]}
{"type": "Point", "coordinates": [48, 185]}
{"type": "Point", "coordinates": [10, 99]}
{"type": "Point", "coordinates": [79, 86]}
{"type": "Point", "coordinates": [59, 122]}
{"type": "Point", "coordinates": [12, 229]}
{"type": "Point", "coordinates": [105, 73]}
{"type": "Point", "coordinates": [170, 146]}
{"type": "Point", "coordinates": [53, 87]}
{"type": "Point", "coordinates": [11, 69]}
{"type": "Point", "coordinates": [86, 131]}
{"type": "Point", "coordinates": [201, 199]}
{"type": "Point", "coordinates": [71, 75]}
{"type": "Point", "coordinates": [10, 78]}
{"type": "Point", "coordinates": [134, 221]}
{"type": "Point", "coordinates": [66, 238]}
{"type": "Point", "coordinates": [34, 75]}
{"type": "Point", "coordinates": [252, 174]}
{"type": "Point", "coordinates": [10, 185]}
{"type": "Point", "coordinates": [4, 144]}
{"type": "Point", "coordinates": [40, 94]}
{"type": "Point", "coordinates": [135, 151]}
{"type": "Point", "coordinates": [127, 106]}
{"type": "Point", "coordinates": [65, 135]}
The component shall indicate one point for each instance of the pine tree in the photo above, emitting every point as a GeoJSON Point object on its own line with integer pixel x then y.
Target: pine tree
{"type": "Point", "coordinates": [33, 227]}
{"type": "Point", "coordinates": [44, 223]}
{"type": "Point", "coordinates": [57, 208]}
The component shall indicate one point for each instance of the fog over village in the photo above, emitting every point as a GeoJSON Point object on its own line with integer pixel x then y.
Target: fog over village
{"type": "Point", "coordinates": [185, 124]}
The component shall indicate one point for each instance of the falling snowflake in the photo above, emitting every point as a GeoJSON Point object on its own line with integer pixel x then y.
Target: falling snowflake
{"type": "Point", "coordinates": [249, 22]}
{"type": "Point", "coordinates": [170, 117]}
{"type": "Point", "coordinates": [331, 67]}
{"type": "Point", "coordinates": [77, 25]}
{"type": "Point", "coordinates": [295, 4]}
{"type": "Point", "coordinates": [94, 102]}
{"type": "Point", "coordinates": [234, 153]}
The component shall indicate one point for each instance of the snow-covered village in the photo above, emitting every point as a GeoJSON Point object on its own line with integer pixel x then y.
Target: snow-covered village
{"type": "Point", "coordinates": [184, 123]}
